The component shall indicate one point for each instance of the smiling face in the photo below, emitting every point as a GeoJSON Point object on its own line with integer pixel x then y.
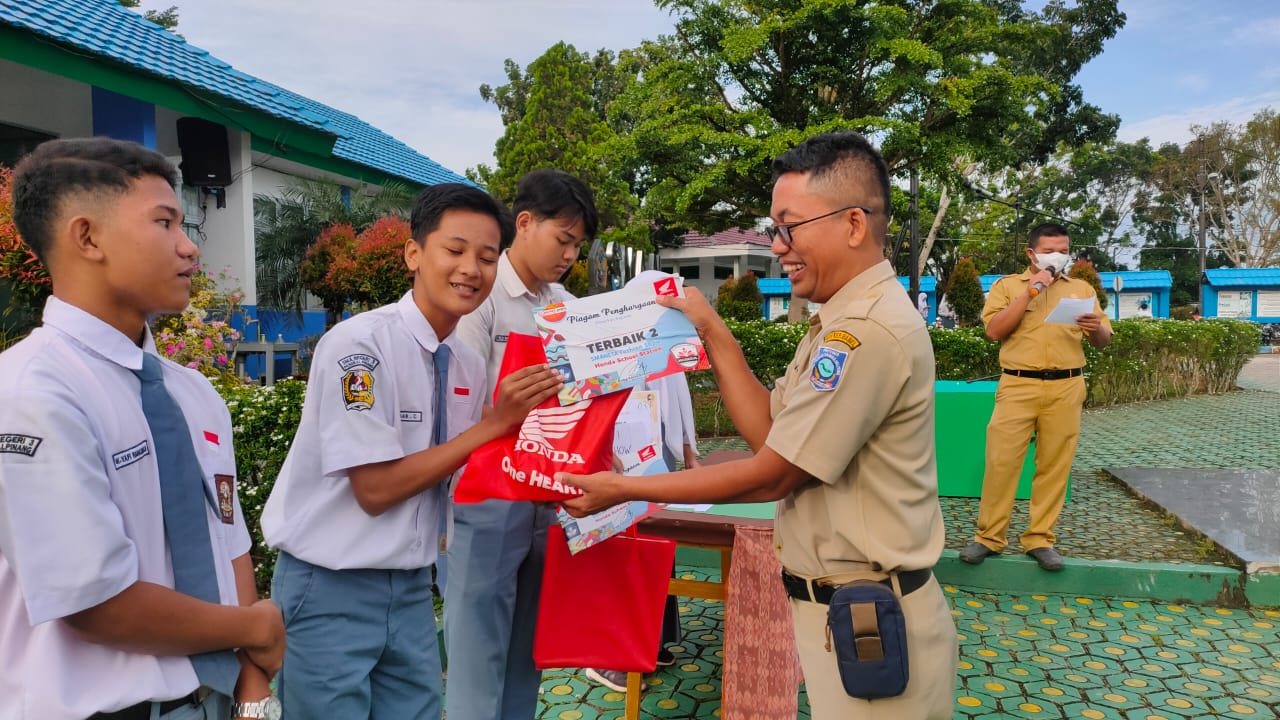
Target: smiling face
{"type": "Point", "coordinates": [545, 248]}
{"type": "Point", "coordinates": [454, 267]}
{"type": "Point", "coordinates": [819, 261]}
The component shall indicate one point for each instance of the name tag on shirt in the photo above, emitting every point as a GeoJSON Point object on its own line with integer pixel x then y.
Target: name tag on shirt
{"type": "Point", "coordinates": [411, 416]}
{"type": "Point", "coordinates": [125, 458]}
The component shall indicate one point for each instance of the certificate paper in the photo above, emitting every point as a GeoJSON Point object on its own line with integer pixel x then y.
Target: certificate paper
{"type": "Point", "coordinates": [637, 442]}
{"type": "Point", "coordinates": [604, 343]}
{"type": "Point", "coordinates": [1069, 309]}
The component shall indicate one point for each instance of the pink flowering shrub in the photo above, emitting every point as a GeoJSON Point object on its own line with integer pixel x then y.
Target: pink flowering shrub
{"type": "Point", "coordinates": [201, 336]}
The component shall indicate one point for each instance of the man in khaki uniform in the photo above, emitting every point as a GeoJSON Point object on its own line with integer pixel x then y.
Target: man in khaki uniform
{"type": "Point", "coordinates": [1041, 390]}
{"type": "Point", "coordinates": [844, 441]}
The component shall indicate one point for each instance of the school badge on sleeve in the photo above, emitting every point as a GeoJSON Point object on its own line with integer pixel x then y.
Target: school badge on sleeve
{"type": "Point", "coordinates": [827, 367]}
{"type": "Point", "coordinates": [357, 381]}
{"type": "Point", "coordinates": [226, 498]}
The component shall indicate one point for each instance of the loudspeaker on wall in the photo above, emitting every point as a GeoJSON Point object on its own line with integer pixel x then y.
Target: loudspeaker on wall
{"type": "Point", "coordinates": [206, 155]}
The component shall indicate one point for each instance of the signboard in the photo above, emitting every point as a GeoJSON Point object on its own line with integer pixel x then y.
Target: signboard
{"type": "Point", "coordinates": [1127, 307]}
{"type": "Point", "coordinates": [1269, 303]}
{"type": "Point", "coordinates": [1235, 304]}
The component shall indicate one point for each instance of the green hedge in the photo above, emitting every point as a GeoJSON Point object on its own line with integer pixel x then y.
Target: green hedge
{"type": "Point", "coordinates": [1146, 360]}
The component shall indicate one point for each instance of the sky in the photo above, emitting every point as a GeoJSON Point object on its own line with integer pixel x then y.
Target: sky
{"type": "Point", "coordinates": [413, 68]}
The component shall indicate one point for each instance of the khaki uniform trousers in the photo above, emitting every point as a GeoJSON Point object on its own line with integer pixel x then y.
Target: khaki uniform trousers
{"type": "Point", "coordinates": [1050, 408]}
{"type": "Point", "coordinates": [932, 650]}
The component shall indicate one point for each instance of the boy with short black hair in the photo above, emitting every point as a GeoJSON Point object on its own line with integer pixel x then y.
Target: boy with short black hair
{"type": "Point", "coordinates": [497, 553]}
{"type": "Point", "coordinates": [125, 578]}
{"type": "Point", "coordinates": [393, 408]}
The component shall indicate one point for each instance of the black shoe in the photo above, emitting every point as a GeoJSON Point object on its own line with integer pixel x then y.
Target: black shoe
{"type": "Point", "coordinates": [1048, 558]}
{"type": "Point", "coordinates": [666, 658]}
{"type": "Point", "coordinates": [976, 552]}
{"type": "Point", "coordinates": [615, 680]}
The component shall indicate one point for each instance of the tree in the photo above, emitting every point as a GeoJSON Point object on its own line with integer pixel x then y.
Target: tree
{"type": "Point", "coordinates": [1082, 269]}
{"type": "Point", "coordinates": [24, 281]}
{"type": "Point", "coordinates": [740, 299]}
{"type": "Point", "coordinates": [167, 18]}
{"type": "Point", "coordinates": [553, 113]}
{"type": "Point", "coordinates": [335, 241]}
{"type": "Point", "coordinates": [1239, 179]}
{"type": "Point", "coordinates": [285, 226]}
{"type": "Point", "coordinates": [742, 81]}
{"type": "Point", "coordinates": [367, 269]}
{"type": "Point", "coordinates": [964, 293]}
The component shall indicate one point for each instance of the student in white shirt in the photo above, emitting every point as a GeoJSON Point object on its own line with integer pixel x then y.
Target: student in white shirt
{"type": "Point", "coordinates": [498, 547]}
{"type": "Point", "coordinates": [357, 509]}
{"type": "Point", "coordinates": [91, 624]}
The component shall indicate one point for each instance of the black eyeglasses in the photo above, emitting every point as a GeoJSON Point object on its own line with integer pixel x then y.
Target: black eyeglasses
{"type": "Point", "coordinates": [783, 231]}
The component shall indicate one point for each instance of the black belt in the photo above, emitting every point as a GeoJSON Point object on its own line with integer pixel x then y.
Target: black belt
{"type": "Point", "coordinates": [1046, 374]}
{"type": "Point", "coordinates": [142, 711]}
{"type": "Point", "coordinates": [798, 587]}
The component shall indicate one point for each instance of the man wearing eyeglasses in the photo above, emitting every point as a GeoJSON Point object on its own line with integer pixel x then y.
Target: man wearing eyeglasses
{"type": "Point", "coordinates": [844, 441]}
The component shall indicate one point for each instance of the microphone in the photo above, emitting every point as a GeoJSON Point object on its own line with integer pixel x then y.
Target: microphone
{"type": "Point", "coordinates": [1038, 288]}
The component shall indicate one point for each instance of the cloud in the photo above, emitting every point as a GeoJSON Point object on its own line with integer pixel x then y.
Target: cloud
{"type": "Point", "coordinates": [1262, 31]}
{"type": "Point", "coordinates": [1193, 81]}
{"type": "Point", "coordinates": [1176, 127]}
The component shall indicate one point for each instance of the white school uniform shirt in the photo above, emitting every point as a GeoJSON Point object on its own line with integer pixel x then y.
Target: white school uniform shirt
{"type": "Point", "coordinates": [370, 398]}
{"type": "Point", "coordinates": [675, 411]}
{"type": "Point", "coordinates": [508, 309]}
{"type": "Point", "coordinates": [80, 513]}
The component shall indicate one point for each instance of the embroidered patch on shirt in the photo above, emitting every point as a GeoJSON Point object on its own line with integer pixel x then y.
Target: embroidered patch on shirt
{"type": "Point", "coordinates": [226, 497]}
{"type": "Point", "coordinates": [357, 389]}
{"type": "Point", "coordinates": [125, 458]}
{"type": "Point", "coordinates": [827, 367]}
{"type": "Point", "coordinates": [842, 337]}
{"type": "Point", "coordinates": [359, 360]}
{"type": "Point", "coordinates": [411, 416]}
{"type": "Point", "coordinates": [20, 444]}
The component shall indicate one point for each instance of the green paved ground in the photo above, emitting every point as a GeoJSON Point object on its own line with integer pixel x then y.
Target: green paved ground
{"type": "Point", "coordinates": [1056, 656]}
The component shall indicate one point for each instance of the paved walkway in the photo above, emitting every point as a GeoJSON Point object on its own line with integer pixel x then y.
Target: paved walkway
{"type": "Point", "coordinates": [1057, 656]}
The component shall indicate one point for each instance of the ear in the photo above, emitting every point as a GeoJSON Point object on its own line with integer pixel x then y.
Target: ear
{"type": "Point", "coordinates": [82, 232]}
{"type": "Point", "coordinates": [412, 254]}
{"type": "Point", "coordinates": [523, 221]}
{"type": "Point", "coordinates": [857, 228]}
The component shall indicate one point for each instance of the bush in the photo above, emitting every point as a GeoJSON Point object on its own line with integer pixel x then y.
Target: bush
{"type": "Point", "coordinates": [768, 346]}
{"type": "Point", "coordinates": [29, 283]}
{"type": "Point", "coordinates": [964, 293]}
{"type": "Point", "coordinates": [740, 299]}
{"type": "Point", "coordinates": [965, 353]}
{"type": "Point", "coordinates": [263, 420]}
{"type": "Point", "coordinates": [1084, 270]}
{"type": "Point", "coordinates": [201, 337]}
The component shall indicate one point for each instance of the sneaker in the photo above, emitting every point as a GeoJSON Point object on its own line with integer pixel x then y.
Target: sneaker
{"type": "Point", "coordinates": [666, 658]}
{"type": "Point", "coordinates": [615, 680]}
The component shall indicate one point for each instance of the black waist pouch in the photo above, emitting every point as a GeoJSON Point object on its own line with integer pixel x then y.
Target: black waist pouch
{"type": "Point", "coordinates": [867, 628]}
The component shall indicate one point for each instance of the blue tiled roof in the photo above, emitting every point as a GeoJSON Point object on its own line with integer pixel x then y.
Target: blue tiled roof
{"type": "Point", "coordinates": [105, 28]}
{"type": "Point", "coordinates": [987, 281]}
{"type": "Point", "coordinates": [1138, 279]}
{"type": "Point", "coordinates": [1244, 277]}
{"type": "Point", "coordinates": [928, 283]}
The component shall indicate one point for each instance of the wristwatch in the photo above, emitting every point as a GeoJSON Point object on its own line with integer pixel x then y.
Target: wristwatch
{"type": "Point", "coordinates": [268, 708]}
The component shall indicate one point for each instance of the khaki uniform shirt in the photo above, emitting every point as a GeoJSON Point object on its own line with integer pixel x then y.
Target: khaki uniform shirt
{"type": "Point", "coordinates": [855, 411]}
{"type": "Point", "coordinates": [1035, 344]}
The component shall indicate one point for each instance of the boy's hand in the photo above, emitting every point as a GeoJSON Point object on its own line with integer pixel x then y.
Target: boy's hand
{"type": "Point", "coordinates": [601, 491]}
{"type": "Point", "coordinates": [270, 654]}
{"type": "Point", "coordinates": [521, 391]}
{"type": "Point", "coordinates": [694, 305]}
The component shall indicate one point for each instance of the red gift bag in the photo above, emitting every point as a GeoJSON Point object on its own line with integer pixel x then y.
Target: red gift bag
{"type": "Point", "coordinates": [575, 438]}
{"type": "Point", "coordinates": [602, 608]}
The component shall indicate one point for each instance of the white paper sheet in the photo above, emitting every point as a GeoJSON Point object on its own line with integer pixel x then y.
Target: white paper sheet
{"type": "Point", "coordinates": [1069, 309]}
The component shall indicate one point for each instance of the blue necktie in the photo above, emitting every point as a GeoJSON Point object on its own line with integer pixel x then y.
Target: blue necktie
{"type": "Point", "coordinates": [440, 434]}
{"type": "Point", "coordinates": [186, 522]}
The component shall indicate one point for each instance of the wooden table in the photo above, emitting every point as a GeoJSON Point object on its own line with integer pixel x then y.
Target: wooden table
{"type": "Point", "coordinates": [712, 530]}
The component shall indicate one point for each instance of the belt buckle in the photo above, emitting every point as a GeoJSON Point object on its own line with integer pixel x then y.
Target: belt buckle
{"type": "Point", "coordinates": [201, 694]}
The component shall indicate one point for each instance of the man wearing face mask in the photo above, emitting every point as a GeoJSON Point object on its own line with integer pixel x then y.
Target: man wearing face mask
{"type": "Point", "coordinates": [1042, 391]}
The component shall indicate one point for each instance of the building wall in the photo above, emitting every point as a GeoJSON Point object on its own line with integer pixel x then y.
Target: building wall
{"type": "Point", "coordinates": [41, 101]}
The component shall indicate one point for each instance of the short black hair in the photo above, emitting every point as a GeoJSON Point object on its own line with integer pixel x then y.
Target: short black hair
{"type": "Point", "coordinates": [435, 200]}
{"type": "Point", "coordinates": [554, 193]}
{"type": "Point", "coordinates": [58, 169]}
{"type": "Point", "coordinates": [1045, 230]}
{"type": "Point", "coordinates": [847, 162]}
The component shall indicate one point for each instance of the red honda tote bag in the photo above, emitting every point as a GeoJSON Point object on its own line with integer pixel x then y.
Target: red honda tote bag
{"type": "Point", "coordinates": [602, 608]}
{"type": "Point", "coordinates": [575, 438]}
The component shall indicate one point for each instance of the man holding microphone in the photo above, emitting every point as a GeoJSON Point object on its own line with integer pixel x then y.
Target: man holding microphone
{"type": "Point", "coordinates": [1042, 391]}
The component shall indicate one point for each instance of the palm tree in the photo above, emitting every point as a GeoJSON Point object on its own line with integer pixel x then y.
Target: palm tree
{"type": "Point", "coordinates": [285, 226]}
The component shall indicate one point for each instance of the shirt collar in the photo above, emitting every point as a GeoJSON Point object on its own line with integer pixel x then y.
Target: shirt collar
{"type": "Point", "coordinates": [96, 335]}
{"type": "Point", "coordinates": [509, 279]}
{"type": "Point", "coordinates": [859, 286]}
{"type": "Point", "coordinates": [417, 323]}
